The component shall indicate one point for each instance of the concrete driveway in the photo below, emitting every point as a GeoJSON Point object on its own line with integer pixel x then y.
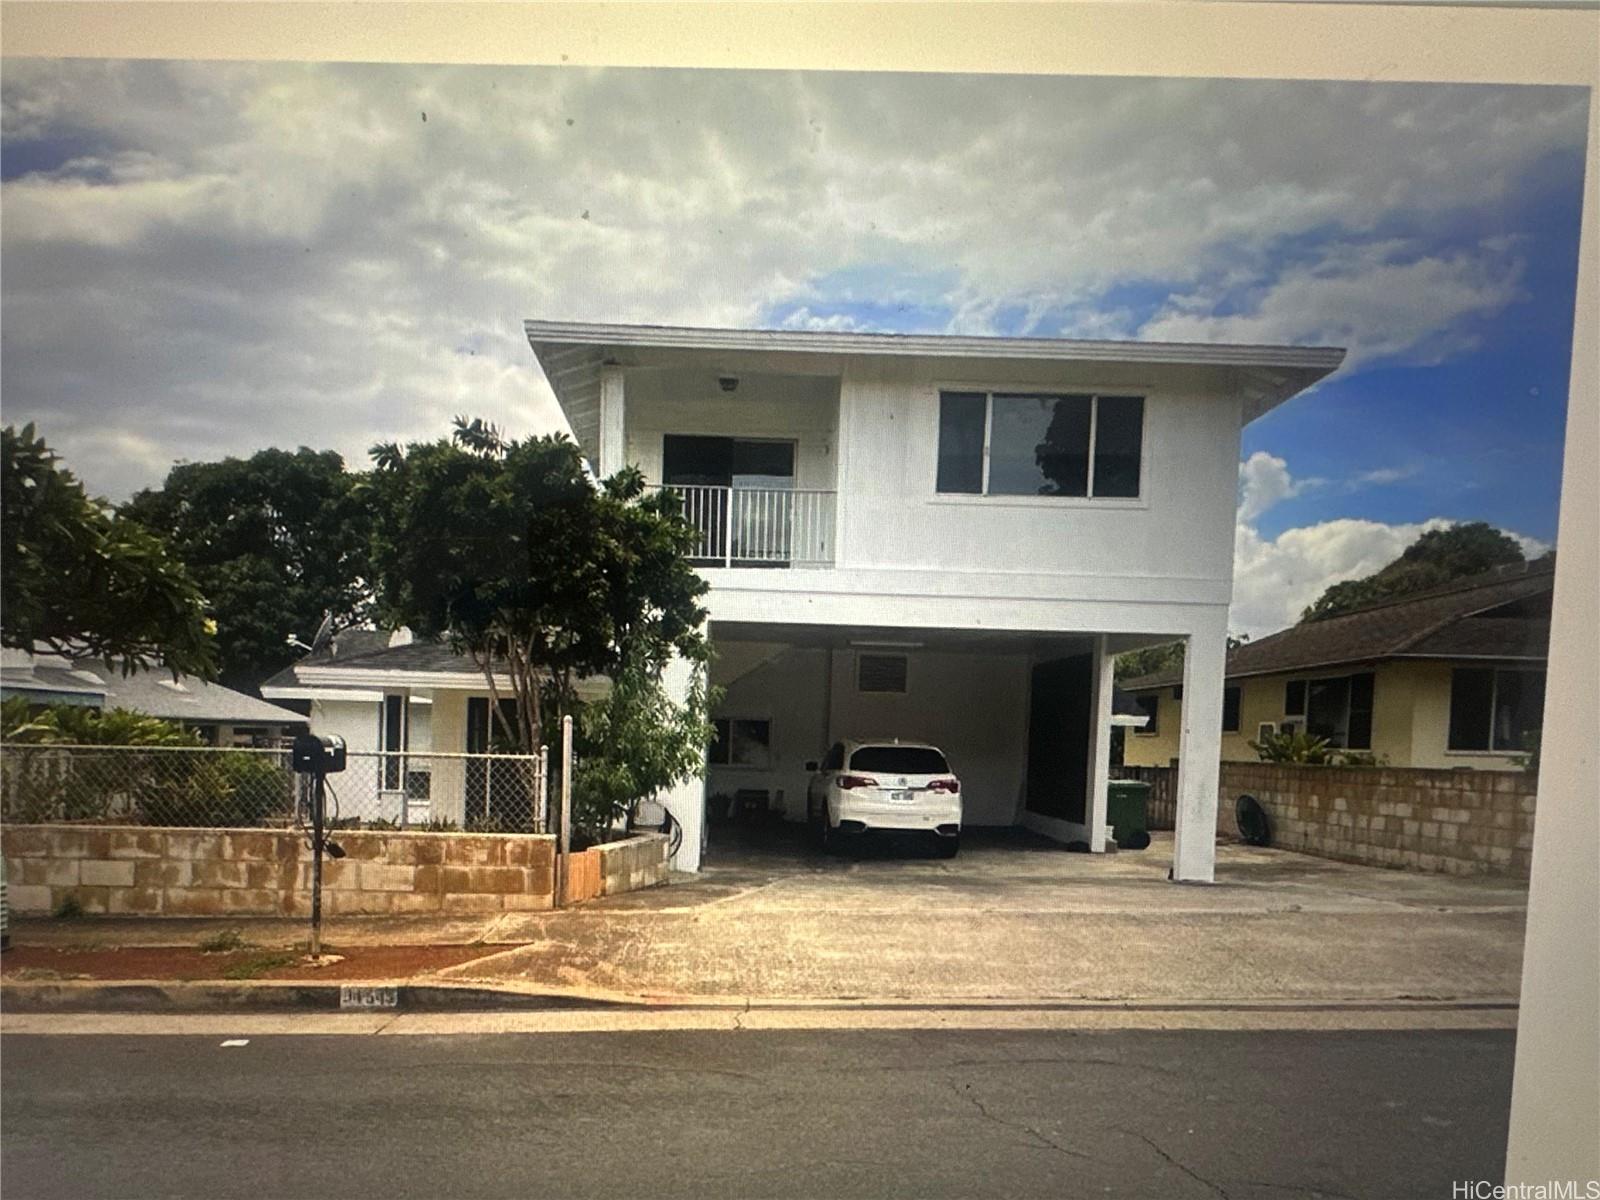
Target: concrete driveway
{"type": "Point", "coordinates": [1019, 919]}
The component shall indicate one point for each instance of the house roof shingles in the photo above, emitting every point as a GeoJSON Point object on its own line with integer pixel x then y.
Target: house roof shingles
{"type": "Point", "coordinates": [1442, 622]}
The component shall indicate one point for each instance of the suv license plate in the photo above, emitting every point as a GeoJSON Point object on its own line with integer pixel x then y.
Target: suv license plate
{"type": "Point", "coordinates": [900, 797]}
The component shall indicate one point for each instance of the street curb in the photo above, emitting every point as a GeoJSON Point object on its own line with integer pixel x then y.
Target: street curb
{"type": "Point", "coordinates": [158, 996]}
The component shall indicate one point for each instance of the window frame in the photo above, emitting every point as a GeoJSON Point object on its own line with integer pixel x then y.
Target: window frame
{"type": "Point", "coordinates": [1238, 706]}
{"type": "Point", "coordinates": [728, 763]}
{"type": "Point", "coordinates": [1296, 722]}
{"type": "Point", "coordinates": [1494, 692]}
{"type": "Point", "coordinates": [1134, 390]}
{"type": "Point", "coordinates": [1152, 727]}
{"type": "Point", "coordinates": [905, 676]}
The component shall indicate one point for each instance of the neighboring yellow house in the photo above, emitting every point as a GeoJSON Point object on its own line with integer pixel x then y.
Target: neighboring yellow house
{"type": "Point", "coordinates": [1450, 677]}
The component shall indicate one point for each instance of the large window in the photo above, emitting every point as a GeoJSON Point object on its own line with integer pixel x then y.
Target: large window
{"type": "Point", "coordinates": [1230, 709]}
{"type": "Point", "coordinates": [881, 673]}
{"type": "Point", "coordinates": [741, 742]}
{"type": "Point", "coordinates": [1011, 444]}
{"type": "Point", "coordinates": [1494, 709]}
{"type": "Point", "coordinates": [1338, 709]}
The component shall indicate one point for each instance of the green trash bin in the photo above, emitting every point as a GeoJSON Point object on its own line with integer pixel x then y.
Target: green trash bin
{"type": "Point", "coordinates": [1128, 813]}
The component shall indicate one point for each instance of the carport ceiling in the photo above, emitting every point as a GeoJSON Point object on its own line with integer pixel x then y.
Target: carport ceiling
{"type": "Point", "coordinates": [891, 638]}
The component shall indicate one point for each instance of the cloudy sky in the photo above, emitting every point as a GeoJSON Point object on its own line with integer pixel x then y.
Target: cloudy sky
{"type": "Point", "coordinates": [200, 259]}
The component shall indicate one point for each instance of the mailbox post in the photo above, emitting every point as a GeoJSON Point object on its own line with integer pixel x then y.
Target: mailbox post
{"type": "Point", "coordinates": [318, 757]}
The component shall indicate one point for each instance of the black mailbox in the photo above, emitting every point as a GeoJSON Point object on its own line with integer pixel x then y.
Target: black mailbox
{"type": "Point", "coordinates": [313, 755]}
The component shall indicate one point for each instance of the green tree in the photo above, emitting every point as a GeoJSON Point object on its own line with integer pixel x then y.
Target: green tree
{"type": "Point", "coordinates": [275, 540]}
{"type": "Point", "coordinates": [77, 577]}
{"type": "Point", "coordinates": [511, 553]}
{"type": "Point", "coordinates": [1165, 657]}
{"type": "Point", "coordinates": [1437, 557]}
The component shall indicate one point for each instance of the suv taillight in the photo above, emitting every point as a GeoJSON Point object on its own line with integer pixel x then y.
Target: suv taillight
{"type": "Point", "coordinates": [846, 782]}
{"type": "Point", "coordinates": [945, 785]}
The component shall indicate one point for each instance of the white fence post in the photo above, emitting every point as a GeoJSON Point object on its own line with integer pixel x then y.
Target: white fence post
{"type": "Point", "coordinates": [564, 842]}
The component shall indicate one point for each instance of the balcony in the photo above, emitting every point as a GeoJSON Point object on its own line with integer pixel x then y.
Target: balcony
{"type": "Point", "coordinates": [759, 526]}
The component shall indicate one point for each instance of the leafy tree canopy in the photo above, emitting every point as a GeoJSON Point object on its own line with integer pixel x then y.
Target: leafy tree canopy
{"type": "Point", "coordinates": [1437, 557]}
{"type": "Point", "coordinates": [78, 578]}
{"type": "Point", "coordinates": [1165, 657]}
{"type": "Point", "coordinates": [275, 540]}
{"type": "Point", "coordinates": [508, 550]}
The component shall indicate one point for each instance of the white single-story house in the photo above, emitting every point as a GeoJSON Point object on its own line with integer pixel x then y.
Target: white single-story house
{"type": "Point", "coordinates": [408, 711]}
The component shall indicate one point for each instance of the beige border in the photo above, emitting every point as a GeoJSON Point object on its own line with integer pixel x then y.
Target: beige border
{"type": "Point", "coordinates": [1554, 1134]}
{"type": "Point", "coordinates": [1258, 40]}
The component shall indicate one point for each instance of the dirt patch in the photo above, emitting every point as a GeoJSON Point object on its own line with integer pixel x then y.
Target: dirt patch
{"type": "Point", "coordinates": [46, 964]}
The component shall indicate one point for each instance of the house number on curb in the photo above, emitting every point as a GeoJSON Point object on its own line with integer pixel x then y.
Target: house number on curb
{"type": "Point", "coordinates": [368, 997]}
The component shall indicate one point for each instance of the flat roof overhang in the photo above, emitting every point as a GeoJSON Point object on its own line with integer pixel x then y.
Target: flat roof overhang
{"type": "Point", "coordinates": [571, 353]}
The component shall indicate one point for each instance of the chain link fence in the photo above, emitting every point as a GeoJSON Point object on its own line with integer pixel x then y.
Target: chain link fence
{"type": "Point", "coordinates": [257, 788]}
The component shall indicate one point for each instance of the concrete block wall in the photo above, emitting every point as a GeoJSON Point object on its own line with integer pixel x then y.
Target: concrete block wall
{"type": "Point", "coordinates": [638, 862]}
{"type": "Point", "coordinates": [257, 872]}
{"type": "Point", "coordinates": [1455, 822]}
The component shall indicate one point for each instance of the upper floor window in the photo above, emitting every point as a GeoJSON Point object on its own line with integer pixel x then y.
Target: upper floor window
{"type": "Point", "coordinates": [1494, 709]}
{"type": "Point", "coordinates": [881, 673]}
{"type": "Point", "coordinates": [1015, 444]}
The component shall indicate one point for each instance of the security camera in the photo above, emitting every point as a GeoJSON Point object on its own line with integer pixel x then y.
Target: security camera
{"type": "Point", "coordinates": [728, 383]}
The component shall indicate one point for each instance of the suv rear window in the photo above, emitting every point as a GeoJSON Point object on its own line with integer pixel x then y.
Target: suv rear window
{"type": "Point", "coordinates": [899, 760]}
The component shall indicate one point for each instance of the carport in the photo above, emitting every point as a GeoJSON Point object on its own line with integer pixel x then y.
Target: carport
{"type": "Point", "coordinates": [1023, 717]}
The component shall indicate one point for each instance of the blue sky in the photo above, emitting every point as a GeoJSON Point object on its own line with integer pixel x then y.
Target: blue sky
{"type": "Point", "coordinates": [204, 258]}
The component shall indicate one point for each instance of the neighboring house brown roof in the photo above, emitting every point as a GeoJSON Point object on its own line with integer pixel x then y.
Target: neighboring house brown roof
{"type": "Point", "coordinates": [1442, 622]}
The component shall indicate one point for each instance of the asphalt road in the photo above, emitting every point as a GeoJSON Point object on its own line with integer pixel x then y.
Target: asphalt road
{"type": "Point", "coordinates": [1240, 1115]}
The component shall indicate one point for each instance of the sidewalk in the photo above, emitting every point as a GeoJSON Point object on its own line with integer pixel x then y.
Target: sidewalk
{"type": "Point", "coordinates": [1011, 921]}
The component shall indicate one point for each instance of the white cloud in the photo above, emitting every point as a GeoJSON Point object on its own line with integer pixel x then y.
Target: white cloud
{"type": "Point", "coordinates": [1274, 579]}
{"type": "Point", "coordinates": [241, 254]}
{"type": "Point", "coordinates": [1264, 481]}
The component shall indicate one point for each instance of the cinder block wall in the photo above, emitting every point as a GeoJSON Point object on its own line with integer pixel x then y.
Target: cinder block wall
{"type": "Point", "coordinates": [638, 862]}
{"type": "Point", "coordinates": [210, 872]}
{"type": "Point", "coordinates": [1457, 822]}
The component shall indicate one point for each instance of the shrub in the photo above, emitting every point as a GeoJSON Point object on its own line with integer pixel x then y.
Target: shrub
{"type": "Point", "coordinates": [1297, 747]}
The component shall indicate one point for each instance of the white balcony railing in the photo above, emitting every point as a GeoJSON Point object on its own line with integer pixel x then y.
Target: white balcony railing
{"type": "Point", "coordinates": [759, 527]}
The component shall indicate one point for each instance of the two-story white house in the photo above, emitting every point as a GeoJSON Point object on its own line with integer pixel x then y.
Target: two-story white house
{"type": "Point", "coordinates": [943, 539]}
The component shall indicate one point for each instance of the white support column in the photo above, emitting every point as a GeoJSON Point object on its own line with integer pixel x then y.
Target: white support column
{"type": "Point", "coordinates": [1194, 849]}
{"type": "Point", "coordinates": [687, 801]}
{"type": "Point", "coordinates": [613, 426]}
{"type": "Point", "coordinates": [1099, 745]}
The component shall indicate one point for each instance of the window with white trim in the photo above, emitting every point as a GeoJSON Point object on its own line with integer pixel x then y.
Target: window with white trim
{"type": "Point", "coordinates": [1040, 444]}
{"type": "Point", "coordinates": [1494, 708]}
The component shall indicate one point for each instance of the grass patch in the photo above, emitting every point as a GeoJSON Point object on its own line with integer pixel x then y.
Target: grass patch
{"type": "Point", "coordinates": [257, 965]}
{"type": "Point", "coordinates": [224, 941]}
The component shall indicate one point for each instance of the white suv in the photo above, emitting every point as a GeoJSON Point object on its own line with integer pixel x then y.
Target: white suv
{"type": "Point", "coordinates": [892, 785]}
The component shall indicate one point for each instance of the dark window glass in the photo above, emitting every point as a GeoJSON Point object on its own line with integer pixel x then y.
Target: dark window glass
{"type": "Point", "coordinates": [1151, 707]}
{"type": "Point", "coordinates": [961, 417]}
{"type": "Point", "coordinates": [757, 462]}
{"type": "Point", "coordinates": [394, 717]}
{"type": "Point", "coordinates": [1518, 707]}
{"type": "Point", "coordinates": [1471, 698]}
{"type": "Point", "coordinates": [1177, 692]}
{"type": "Point", "coordinates": [1039, 446]}
{"type": "Point", "coordinates": [899, 760]}
{"type": "Point", "coordinates": [749, 743]}
{"type": "Point", "coordinates": [1294, 698]}
{"type": "Point", "coordinates": [717, 752]}
{"type": "Point", "coordinates": [1118, 440]}
{"type": "Point", "coordinates": [1328, 709]}
{"type": "Point", "coordinates": [1360, 731]}
{"type": "Point", "coordinates": [834, 761]}
{"type": "Point", "coordinates": [1230, 710]}
{"type": "Point", "coordinates": [881, 673]}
